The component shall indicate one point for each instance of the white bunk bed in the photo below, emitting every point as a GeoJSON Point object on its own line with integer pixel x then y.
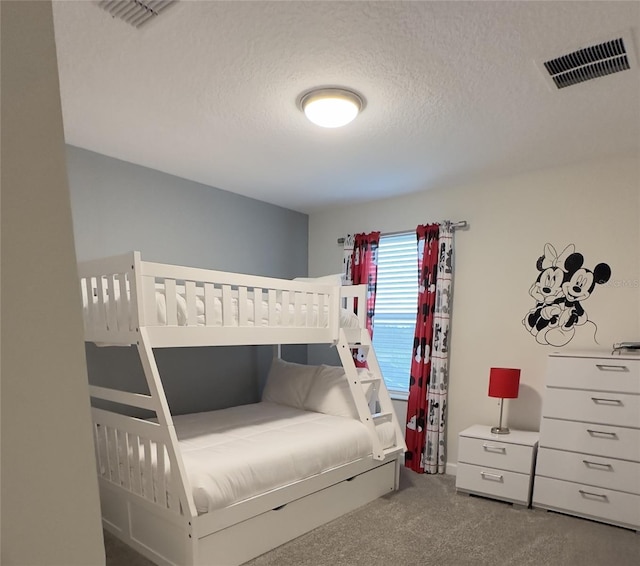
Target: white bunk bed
{"type": "Point", "coordinates": [208, 488]}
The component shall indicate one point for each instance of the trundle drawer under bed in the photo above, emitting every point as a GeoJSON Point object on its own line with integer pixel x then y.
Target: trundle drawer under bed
{"type": "Point", "coordinates": [140, 524]}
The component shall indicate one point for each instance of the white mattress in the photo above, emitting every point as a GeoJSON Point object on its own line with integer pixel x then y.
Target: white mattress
{"type": "Point", "coordinates": [347, 319]}
{"type": "Point", "coordinates": [236, 453]}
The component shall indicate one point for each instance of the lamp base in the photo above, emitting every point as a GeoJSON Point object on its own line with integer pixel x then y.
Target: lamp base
{"type": "Point", "coordinates": [500, 430]}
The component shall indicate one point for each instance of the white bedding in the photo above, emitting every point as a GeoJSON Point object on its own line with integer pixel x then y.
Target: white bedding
{"type": "Point", "coordinates": [347, 319]}
{"type": "Point", "coordinates": [236, 453]}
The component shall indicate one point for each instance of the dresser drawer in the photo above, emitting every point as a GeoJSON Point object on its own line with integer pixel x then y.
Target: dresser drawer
{"type": "Point", "coordinates": [495, 454]}
{"type": "Point", "coordinates": [591, 406]}
{"type": "Point", "coordinates": [501, 484]}
{"type": "Point", "coordinates": [597, 374]}
{"type": "Point", "coordinates": [589, 470]}
{"type": "Point", "coordinates": [586, 501]}
{"type": "Point", "coordinates": [611, 441]}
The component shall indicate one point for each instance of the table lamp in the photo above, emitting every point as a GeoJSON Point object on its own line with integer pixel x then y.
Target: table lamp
{"type": "Point", "coordinates": [504, 384]}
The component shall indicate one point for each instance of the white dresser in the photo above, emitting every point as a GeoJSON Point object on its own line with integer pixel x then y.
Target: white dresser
{"type": "Point", "coordinates": [499, 466]}
{"type": "Point", "coordinates": [589, 455]}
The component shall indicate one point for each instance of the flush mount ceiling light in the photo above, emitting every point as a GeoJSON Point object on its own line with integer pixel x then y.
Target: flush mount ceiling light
{"type": "Point", "coordinates": [331, 107]}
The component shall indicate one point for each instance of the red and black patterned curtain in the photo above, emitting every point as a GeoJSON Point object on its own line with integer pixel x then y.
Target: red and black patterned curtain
{"type": "Point", "coordinates": [428, 255]}
{"type": "Point", "coordinates": [364, 269]}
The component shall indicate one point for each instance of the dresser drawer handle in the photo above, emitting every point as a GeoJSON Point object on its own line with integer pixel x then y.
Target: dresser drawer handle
{"type": "Point", "coordinates": [591, 494]}
{"type": "Point", "coordinates": [497, 477]}
{"type": "Point", "coordinates": [605, 401]}
{"type": "Point", "coordinates": [494, 448]}
{"type": "Point", "coordinates": [601, 433]}
{"type": "Point", "coordinates": [607, 367]}
{"type": "Point", "coordinates": [589, 463]}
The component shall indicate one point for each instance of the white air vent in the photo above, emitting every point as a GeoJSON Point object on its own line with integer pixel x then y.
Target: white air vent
{"type": "Point", "coordinates": [591, 62]}
{"type": "Point", "coordinates": [135, 12]}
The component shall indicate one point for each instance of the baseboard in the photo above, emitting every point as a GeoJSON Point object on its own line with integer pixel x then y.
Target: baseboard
{"type": "Point", "coordinates": [449, 468]}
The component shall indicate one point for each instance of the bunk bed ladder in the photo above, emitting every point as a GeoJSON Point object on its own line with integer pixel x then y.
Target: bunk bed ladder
{"type": "Point", "coordinates": [369, 392]}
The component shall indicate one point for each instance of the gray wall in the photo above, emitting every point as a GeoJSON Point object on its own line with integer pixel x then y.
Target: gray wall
{"type": "Point", "coordinates": [50, 506]}
{"type": "Point", "coordinates": [119, 207]}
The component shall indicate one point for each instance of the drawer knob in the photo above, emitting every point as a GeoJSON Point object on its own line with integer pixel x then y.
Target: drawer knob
{"type": "Point", "coordinates": [494, 448]}
{"type": "Point", "coordinates": [602, 433]}
{"type": "Point", "coordinates": [489, 475]}
{"type": "Point", "coordinates": [605, 401]}
{"type": "Point", "coordinates": [608, 367]}
{"type": "Point", "coordinates": [591, 494]}
{"type": "Point", "coordinates": [590, 464]}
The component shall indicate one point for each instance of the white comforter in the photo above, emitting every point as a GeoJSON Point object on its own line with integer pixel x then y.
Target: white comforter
{"type": "Point", "coordinates": [236, 453]}
{"type": "Point", "coordinates": [347, 319]}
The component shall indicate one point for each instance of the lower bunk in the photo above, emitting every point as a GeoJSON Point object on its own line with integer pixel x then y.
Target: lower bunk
{"type": "Point", "coordinates": [246, 479]}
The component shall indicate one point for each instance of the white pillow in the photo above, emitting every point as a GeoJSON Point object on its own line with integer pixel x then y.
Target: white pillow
{"type": "Point", "coordinates": [330, 392]}
{"type": "Point", "coordinates": [288, 383]}
{"type": "Point", "coordinates": [335, 279]}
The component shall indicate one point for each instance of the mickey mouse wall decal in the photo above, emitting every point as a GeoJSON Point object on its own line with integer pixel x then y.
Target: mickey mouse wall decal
{"type": "Point", "coordinates": [561, 287]}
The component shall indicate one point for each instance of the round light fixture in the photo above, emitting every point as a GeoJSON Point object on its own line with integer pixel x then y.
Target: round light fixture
{"type": "Point", "coordinates": [331, 107]}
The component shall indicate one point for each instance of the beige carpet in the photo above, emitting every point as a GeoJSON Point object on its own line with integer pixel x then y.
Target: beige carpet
{"type": "Point", "coordinates": [427, 523]}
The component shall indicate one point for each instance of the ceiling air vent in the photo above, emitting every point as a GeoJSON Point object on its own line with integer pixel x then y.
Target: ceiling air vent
{"type": "Point", "coordinates": [135, 12]}
{"type": "Point", "coordinates": [591, 62]}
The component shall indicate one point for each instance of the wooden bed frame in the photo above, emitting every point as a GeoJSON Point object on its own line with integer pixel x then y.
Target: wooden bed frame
{"type": "Point", "coordinates": [145, 495]}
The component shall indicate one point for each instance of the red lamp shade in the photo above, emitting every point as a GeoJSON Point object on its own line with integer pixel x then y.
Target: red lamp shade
{"type": "Point", "coordinates": [504, 383]}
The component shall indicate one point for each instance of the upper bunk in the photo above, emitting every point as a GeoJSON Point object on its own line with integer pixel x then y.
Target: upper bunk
{"type": "Point", "coordinates": [174, 306]}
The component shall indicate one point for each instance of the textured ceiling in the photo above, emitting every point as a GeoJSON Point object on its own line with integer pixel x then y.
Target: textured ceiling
{"type": "Point", "coordinates": [208, 91]}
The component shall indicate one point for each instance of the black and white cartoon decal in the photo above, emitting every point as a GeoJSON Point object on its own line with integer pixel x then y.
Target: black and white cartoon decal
{"type": "Point", "coordinates": [560, 289]}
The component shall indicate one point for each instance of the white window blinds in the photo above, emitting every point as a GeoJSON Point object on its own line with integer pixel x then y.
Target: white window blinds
{"type": "Point", "coordinates": [395, 309]}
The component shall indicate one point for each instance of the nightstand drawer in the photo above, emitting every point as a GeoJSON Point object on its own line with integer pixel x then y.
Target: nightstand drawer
{"type": "Point", "coordinates": [597, 374]}
{"type": "Point", "coordinates": [612, 441]}
{"type": "Point", "coordinates": [586, 501]}
{"type": "Point", "coordinates": [495, 454]}
{"type": "Point", "coordinates": [589, 470]}
{"type": "Point", "coordinates": [593, 407]}
{"type": "Point", "coordinates": [491, 482]}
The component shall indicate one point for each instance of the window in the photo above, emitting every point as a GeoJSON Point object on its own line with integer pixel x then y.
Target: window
{"type": "Point", "coordinates": [395, 314]}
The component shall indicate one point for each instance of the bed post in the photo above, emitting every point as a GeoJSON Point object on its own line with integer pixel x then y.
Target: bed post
{"type": "Point", "coordinates": [156, 391]}
{"type": "Point", "coordinates": [136, 287]}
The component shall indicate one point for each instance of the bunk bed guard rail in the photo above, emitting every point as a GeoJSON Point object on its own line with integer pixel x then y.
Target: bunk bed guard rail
{"type": "Point", "coordinates": [184, 306]}
{"type": "Point", "coordinates": [110, 321]}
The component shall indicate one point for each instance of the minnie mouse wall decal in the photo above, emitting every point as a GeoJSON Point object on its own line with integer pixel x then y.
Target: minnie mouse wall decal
{"type": "Point", "coordinates": [561, 287]}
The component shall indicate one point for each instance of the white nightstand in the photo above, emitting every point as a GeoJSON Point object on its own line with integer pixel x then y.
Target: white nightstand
{"type": "Point", "coordinates": [499, 466]}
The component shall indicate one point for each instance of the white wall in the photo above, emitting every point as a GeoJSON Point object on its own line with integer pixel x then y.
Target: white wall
{"type": "Point", "coordinates": [596, 206]}
{"type": "Point", "coordinates": [50, 507]}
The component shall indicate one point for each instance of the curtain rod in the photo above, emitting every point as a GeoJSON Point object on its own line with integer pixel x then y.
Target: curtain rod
{"type": "Point", "coordinates": [460, 225]}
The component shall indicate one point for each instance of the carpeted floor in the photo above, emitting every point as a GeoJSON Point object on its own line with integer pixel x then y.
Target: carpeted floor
{"type": "Point", "coordinates": [427, 523]}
